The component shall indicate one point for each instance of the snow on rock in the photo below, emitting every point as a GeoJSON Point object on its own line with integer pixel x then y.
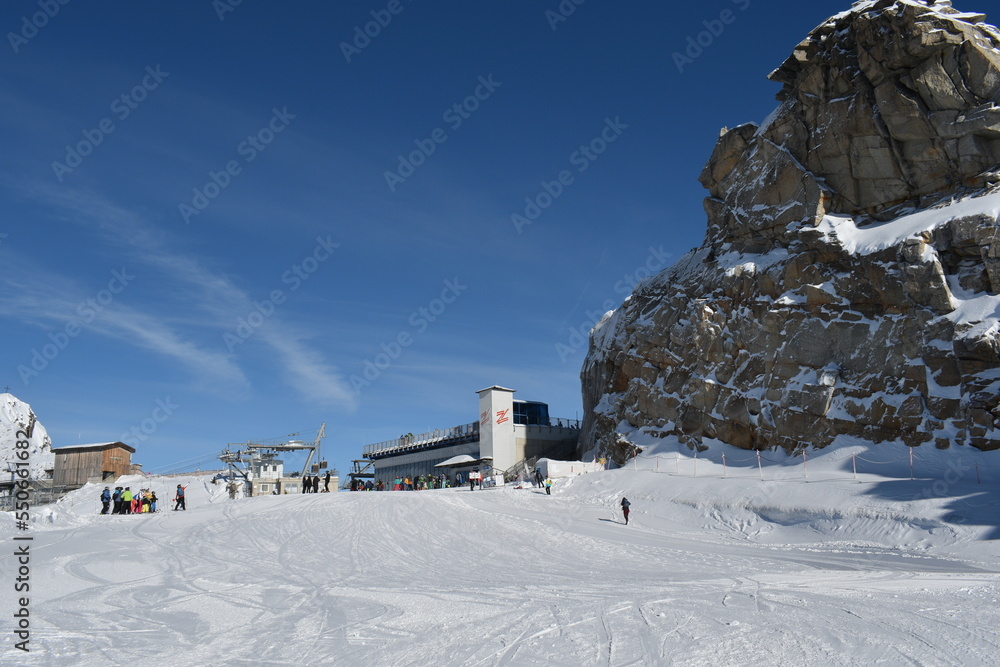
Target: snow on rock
{"type": "Point", "coordinates": [17, 416]}
{"type": "Point", "coordinates": [868, 239]}
{"type": "Point", "coordinates": [856, 233]}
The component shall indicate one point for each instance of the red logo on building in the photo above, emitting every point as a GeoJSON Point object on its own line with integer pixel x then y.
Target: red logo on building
{"type": "Point", "coordinates": [502, 416]}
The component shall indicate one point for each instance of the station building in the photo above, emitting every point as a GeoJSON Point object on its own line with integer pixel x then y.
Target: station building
{"type": "Point", "coordinates": [509, 434]}
{"type": "Point", "coordinates": [100, 463]}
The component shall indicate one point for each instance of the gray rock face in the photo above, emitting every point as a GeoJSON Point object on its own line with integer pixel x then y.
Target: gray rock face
{"type": "Point", "coordinates": [840, 290]}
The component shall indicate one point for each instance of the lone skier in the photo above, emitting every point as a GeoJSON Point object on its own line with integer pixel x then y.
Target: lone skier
{"type": "Point", "coordinates": [625, 506]}
{"type": "Point", "coordinates": [179, 499]}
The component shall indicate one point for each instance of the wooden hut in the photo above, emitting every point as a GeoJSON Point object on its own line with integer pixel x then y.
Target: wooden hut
{"type": "Point", "coordinates": [102, 462]}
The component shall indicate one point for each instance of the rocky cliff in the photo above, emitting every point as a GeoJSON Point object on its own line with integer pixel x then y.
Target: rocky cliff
{"type": "Point", "coordinates": [17, 416]}
{"type": "Point", "coordinates": [848, 281]}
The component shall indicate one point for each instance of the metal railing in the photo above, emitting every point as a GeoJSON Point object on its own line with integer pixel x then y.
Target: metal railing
{"type": "Point", "coordinates": [412, 442]}
{"type": "Point", "coordinates": [405, 442]}
{"type": "Point", "coordinates": [39, 493]}
{"type": "Point", "coordinates": [558, 423]}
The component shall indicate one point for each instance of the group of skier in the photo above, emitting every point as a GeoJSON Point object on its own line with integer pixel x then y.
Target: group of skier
{"type": "Point", "coordinates": [124, 501]}
{"type": "Point", "coordinates": [475, 479]}
{"type": "Point", "coordinates": [310, 483]}
{"type": "Point", "coordinates": [419, 483]}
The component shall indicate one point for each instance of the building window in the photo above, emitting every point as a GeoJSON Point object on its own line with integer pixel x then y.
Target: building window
{"type": "Point", "coordinates": [531, 413]}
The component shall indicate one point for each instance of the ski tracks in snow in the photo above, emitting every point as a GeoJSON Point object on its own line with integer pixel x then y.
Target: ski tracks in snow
{"type": "Point", "coordinates": [483, 578]}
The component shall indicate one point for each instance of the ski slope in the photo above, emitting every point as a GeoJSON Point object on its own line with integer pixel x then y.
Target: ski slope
{"type": "Point", "coordinates": [710, 571]}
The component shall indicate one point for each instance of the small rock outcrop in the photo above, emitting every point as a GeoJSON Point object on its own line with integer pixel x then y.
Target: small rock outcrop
{"type": "Point", "coordinates": [848, 281]}
{"type": "Point", "coordinates": [17, 420]}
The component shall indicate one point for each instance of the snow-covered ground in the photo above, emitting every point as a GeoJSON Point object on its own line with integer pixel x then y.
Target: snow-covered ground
{"type": "Point", "coordinates": [712, 570]}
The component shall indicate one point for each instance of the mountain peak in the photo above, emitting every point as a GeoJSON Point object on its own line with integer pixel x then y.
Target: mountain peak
{"type": "Point", "coordinates": [848, 282]}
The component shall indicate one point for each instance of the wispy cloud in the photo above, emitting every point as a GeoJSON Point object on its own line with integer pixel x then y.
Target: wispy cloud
{"type": "Point", "coordinates": [306, 370]}
{"type": "Point", "coordinates": [45, 299]}
{"type": "Point", "coordinates": [186, 280]}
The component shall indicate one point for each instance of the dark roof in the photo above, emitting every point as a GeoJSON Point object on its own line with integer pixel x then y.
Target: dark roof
{"type": "Point", "coordinates": [100, 445]}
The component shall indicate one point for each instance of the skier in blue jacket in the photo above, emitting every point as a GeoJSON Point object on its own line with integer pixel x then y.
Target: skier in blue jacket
{"type": "Point", "coordinates": [179, 499]}
{"type": "Point", "coordinates": [106, 500]}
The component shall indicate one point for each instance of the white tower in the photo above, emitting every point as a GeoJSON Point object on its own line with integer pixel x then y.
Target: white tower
{"type": "Point", "coordinates": [496, 426]}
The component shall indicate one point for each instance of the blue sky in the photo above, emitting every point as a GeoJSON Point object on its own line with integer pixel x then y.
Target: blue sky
{"type": "Point", "coordinates": [217, 217]}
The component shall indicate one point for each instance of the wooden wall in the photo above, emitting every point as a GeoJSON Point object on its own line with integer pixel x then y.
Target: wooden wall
{"type": "Point", "coordinates": [117, 461]}
{"type": "Point", "coordinates": [75, 467]}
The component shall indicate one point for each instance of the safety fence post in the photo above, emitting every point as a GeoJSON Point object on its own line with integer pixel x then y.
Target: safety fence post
{"type": "Point", "coordinates": [724, 470]}
{"type": "Point", "coordinates": [805, 471]}
{"type": "Point", "coordinates": [911, 463]}
{"type": "Point", "coordinates": [854, 460]}
{"type": "Point", "coordinates": [759, 466]}
{"type": "Point", "coordinates": [978, 480]}
{"type": "Point", "coordinates": [696, 463]}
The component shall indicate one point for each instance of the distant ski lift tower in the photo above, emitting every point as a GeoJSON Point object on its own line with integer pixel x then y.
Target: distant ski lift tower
{"type": "Point", "coordinates": [314, 449]}
{"type": "Point", "coordinates": [258, 453]}
{"type": "Point", "coordinates": [297, 445]}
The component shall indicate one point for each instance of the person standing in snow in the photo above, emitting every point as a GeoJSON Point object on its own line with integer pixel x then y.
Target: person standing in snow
{"type": "Point", "coordinates": [106, 500]}
{"type": "Point", "coordinates": [127, 501]}
{"type": "Point", "coordinates": [548, 487]}
{"type": "Point", "coordinates": [625, 506]}
{"type": "Point", "coordinates": [539, 480]}
{"type": "Point", "coordinates": [116, 499]}
{"type": "Point", "coordinates": [179, 499]}
{"type": "Point", "coordinates": [326, 482]}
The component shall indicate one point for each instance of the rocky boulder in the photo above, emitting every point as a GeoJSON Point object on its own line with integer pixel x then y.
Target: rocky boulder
{"type": "Point", "coordinates": [848, 281]}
